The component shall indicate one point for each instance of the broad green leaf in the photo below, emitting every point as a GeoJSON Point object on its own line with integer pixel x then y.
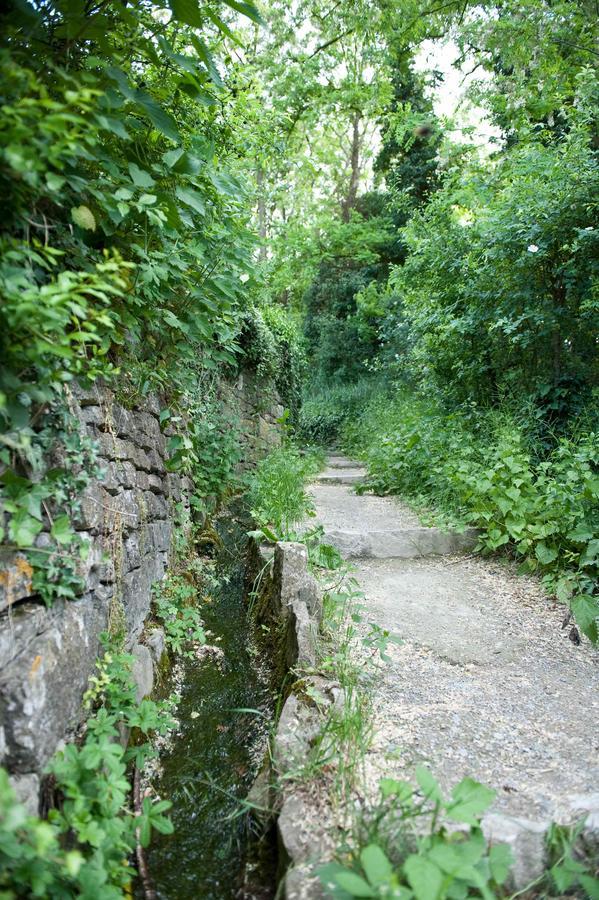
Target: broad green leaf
{"type": "Point", "coordinates": [160, 119]}
{"type": "Point", "coordinates": [83, 217]}
{"type": "Point", "coordinates": [377, 868]}
{"type": "Point", "coordinates": [590, 885]}
{"type": "Point", "coordinates": [191, 198]}
{"type": "Point", "coordinates": [62, 531]}
{"type": "Point", "coordinates": [354, 884]}
{"type": "Point", "coordinates": [187, 11]}
{"type": "Point", "coordinates": [140, 177]}
{"type": "Point", "coordinates": [23, 529]}
{"type": "Point", "coordinates": [469, 800]}
{"type": "Point", "coordinates": [247, 9]}
{"type": "Point", "coordinates": [545, 554]}
{"type": "Point", "coordinates": [585, 609]}
{"type": "Point", "coordinates": [428, 784]}
{"type": "Point", "coordinates": [425, 878]}
{"type": "Point", "coordinates": [501, 859]}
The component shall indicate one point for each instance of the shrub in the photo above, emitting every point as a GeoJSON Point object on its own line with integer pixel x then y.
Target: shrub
{"type": "Point", "coordinates": [277, 493]}
{"type": "Point", "coordinates": [328, 410]}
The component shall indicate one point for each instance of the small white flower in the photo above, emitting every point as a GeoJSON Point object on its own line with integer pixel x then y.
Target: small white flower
{"type": "Point", "coordinates": [532, 248]}
{"type": "Point", "coordinates": [245, 277]}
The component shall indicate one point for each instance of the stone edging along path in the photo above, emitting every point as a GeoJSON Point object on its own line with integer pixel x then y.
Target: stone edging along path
{"type": "Point", "coordinates": [484, 684]}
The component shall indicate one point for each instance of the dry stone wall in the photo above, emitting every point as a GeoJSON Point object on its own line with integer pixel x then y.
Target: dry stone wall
{"type": "Point", "coordinates": [127, 515]}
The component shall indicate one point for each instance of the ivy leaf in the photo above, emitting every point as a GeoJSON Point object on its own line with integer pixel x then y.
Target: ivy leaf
{"type": "Point", "coordinates": [61, 530]}
{"type": "Point", "coordinates": [23, 529]}
{"type": "Point", "coordinates": [83, 217]}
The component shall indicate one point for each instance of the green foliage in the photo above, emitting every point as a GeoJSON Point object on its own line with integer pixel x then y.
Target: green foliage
{"type": "Point", "coordinates": [82, 850]}
{"type": "Point", "coordinates": [176, 604]}
{"type": "Point", "coordinates": [272, 345]}
{"type": "Point", "coordinates": [326, 410]}
{"type": "Point", "coordinates": [400, 860]}
{"type": "Point", "coordinates": [124, 240]}
{"type": "Point", "coordinates": [568, 868]}
{"type": "Point", "coordinates": [499, 287]}
{"type": "Point", "coordinates": [277, 492]}
{"type": "Point", "coordinates": [478, 469]}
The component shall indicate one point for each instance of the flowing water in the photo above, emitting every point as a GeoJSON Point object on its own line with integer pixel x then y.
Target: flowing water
{"type": "Point", "coordinates": [215, 757]}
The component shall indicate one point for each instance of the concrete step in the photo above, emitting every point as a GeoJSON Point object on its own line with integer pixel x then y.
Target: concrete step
{"type": "Point", "coordinates": [341, 476]}
{"type": "Point", "coordinates": [404, 543]}
{"type": "Point", "coordinates": [343, 462]}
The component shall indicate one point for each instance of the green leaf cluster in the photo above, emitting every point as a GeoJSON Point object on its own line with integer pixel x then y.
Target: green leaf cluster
{"type": "Point", "coordinates": [436, 863]}
{"type": "Point", "coordinates": [83, 848]}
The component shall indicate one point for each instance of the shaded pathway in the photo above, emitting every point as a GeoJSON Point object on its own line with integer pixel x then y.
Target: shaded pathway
{"type": "Point", "coordinates": [486, 682]}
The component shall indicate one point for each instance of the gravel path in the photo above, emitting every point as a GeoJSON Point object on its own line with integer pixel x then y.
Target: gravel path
{"type": "Point", "coordinates": [486, 682]}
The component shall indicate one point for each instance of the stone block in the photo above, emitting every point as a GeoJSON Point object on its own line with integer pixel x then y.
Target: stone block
{"type": "Point", "coordinates": [42, 686]}
{"type": "Point", "coordinates": [27, 791]}
{"type": "Point", "coordinates": [156, 507]}
{"type": "Point", "coordinates": [142, 671]}
{"type": "Point", "coordinates": [94, 509]}
{"type": "Point", "coordinates": [158, 485]}
{"type": "Point", "coordinates": [160, 535]}
{"type": "Point", "coordinates": [292, 580]}
{"type": "Point", "coordinates": [15, 578]}
{"type": "Point", "coordinates": [404, 543]}
{"type": "Point", "coordinates": [137, 593]}
{"type": "Point", "coordinates": [527, 841]}
{"type": "Point", "coordinates": [156, 644]}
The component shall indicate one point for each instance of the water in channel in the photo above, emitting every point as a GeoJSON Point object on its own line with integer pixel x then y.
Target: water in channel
{"type": "Point", "coordinates": [217, 753]}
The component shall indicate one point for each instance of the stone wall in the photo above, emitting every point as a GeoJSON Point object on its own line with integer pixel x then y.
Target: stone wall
{"type": "Point", "coordinates": [48, 654]}
{"type": "Point", "coordinates": [257, 407]}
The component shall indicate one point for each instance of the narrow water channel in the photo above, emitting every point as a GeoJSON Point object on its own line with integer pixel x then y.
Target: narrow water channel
{"type": "Point", "coordinates": [216, 755]}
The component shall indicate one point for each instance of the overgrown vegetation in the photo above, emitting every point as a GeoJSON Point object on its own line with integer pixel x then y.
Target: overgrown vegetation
{"type": "Point", "coordinates": [83, 847]}
{"type": "Point", "coordinates": [438, 305]}
{"type": "Point", "coordinates": [277, 496]}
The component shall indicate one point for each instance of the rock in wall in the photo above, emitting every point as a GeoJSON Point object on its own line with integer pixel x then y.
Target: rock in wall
{"type": "Point", "coordinates": [258, 408]}
{"type": "Point", "coordinates": [48, 654]}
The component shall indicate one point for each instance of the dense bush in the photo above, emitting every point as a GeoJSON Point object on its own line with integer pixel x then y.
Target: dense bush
{"type": "Point", "coordinates": [123, 244]}
{"type": "Point", "coordinates": [327, 410]}
{"type": "Point", "coordinates": [272, 345]}
{"type": "Point", "coordinates": [83, 848]}
{"type": "Point", "coordinates": [500, 284]}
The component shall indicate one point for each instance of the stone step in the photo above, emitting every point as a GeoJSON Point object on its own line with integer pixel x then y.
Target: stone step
{"type": "Point", "coordinates": [404, 543]}
{"type": "Point", "coordinates": [341, 476]}
{"type": "Point", "coordinates": [343, 462]}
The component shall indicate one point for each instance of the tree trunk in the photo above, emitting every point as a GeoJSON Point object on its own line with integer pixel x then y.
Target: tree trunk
{"type": "Point", "coordinates": [352, 192]}
{"type": "Point", "coordinates": [261, 212]}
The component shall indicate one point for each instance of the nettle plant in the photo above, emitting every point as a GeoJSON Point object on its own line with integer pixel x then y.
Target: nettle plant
{"type": "Point", "coordinates": [406, 847]}
{"type": "Point", "coordinates": [176, 605]}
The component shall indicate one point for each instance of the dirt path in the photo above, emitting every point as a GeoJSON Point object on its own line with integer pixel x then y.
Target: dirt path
{"type": "Point", "coordinates": [486, 682]}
